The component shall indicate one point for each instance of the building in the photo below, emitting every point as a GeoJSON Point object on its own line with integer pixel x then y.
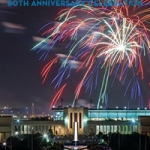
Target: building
{"type": "Point", "coordinates": [6, 127]}
{"type": "Point", "coordinates": [144, 124]}
{"type": "Point", "coordinates": [90, 121]}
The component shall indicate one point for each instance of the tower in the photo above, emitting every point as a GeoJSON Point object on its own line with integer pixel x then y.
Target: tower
{"type": "Point", "coordinates": [32, 109]}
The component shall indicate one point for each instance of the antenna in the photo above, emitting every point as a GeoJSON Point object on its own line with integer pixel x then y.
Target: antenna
{"type": "Point", "coordinates": [32, 109]}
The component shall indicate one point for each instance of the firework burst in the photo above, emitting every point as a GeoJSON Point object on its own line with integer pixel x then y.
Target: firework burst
{"type": "Point", "coordinates": [114, 43]}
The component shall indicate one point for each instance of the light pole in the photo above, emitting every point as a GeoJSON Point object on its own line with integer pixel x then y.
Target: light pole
{"type": "Point", "coordinates": [16, 136]}
{"type": "Point", "coordinates": [45, 135]}
{"type": "Point", "coordinates": [16, 133]}
{"type": "Point", "coordinates": [47, 138]}
{"type": "Point", "coordinates": [10, 142]}
{"type": "Point", "coordinates": [133, 123]}
{"type": "Point", "coordinates": [4, 144]}
{"type": "Point", "coordinates": [32, 140]}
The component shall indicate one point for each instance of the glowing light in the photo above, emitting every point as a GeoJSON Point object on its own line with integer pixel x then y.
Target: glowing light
{"type": "Point", "coordinates": [4, 144]}
{"type": "Point", "coordinates": [45, 135]}
{"type": "Point", "coordinates": [75, 131]}
{"type": "Point", "coordinates": [85, 119]}
{"type": "Point", "coordinates": [121, 47]}
{"type": "Point", "coordinates": [133, 120]}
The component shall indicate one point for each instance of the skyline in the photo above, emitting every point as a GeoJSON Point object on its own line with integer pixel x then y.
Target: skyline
{"type": "Point", "coordinates": [20, 80]}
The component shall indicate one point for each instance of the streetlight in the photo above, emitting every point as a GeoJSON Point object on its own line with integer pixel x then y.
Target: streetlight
{"type": "Point", "coordinates": [18, 120]}
{"type": "Point", "coordinates": [134, 125]}
{"type": "Point", "coordinates": [47, 138]}
{"type": "Point", "coordinates": [16, 133]}
{"type": "Point", "coordinates": [4, 144]}
{"type": "Point", "coordinates": [45, 135]}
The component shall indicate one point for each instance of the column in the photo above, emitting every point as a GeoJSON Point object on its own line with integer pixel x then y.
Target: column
{"type": "Point", "coordinates": [112, 128]}
{"type": "Point", "coordinates": [20, 129]}
{"type": "Point", "coordinates": [104, 129]}
{"type": "Point", "coordinates": [118, 128]}
{"type": "Point", "coordinates": [101, 128]}
{"type": "Point", "coordinates": [115, 128]}
{"type": "Point", "coordinates": [97, 129]}
{"type": "Point", "coordinates": [108, 129]}
{"type": "Point", "coordinates": [27, 129]}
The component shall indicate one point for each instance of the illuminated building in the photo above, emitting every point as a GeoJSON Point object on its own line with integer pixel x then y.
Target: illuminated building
{"type": "Point", "coordinates": [124, 121]}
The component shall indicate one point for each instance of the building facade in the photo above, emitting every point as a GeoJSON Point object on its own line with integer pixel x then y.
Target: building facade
{"type": "Point", "coordinates": [90, 121]}
{"type": "Point", "coordinates": [6, 127]}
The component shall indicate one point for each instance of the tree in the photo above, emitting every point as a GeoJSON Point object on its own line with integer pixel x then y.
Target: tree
{"type": "Point", "coordinates": [99, 136]}
{"type": "Point", "coordinates": [50, 133]}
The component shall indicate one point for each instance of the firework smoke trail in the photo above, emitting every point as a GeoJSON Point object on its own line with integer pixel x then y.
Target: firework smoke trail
{"type": "Point", "coordinates": [113, 43]}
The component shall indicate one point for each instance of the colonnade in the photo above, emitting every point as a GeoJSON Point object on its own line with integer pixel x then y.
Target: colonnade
{"type": "Point", "coordinates": [32, 129]}
{"type": "Point", "coordinates": [123, 129]}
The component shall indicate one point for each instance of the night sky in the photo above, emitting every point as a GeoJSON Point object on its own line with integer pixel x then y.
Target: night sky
{"type": "Point", "coordinates": [20, 81]}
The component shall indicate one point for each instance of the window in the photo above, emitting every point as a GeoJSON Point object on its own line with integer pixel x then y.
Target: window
{"type": "Point", "coordinates": [80, 120]}
{"type": "Point", "coordinates": [70, 120]}
{"type": "Point", "coordinates": [75, 117]}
